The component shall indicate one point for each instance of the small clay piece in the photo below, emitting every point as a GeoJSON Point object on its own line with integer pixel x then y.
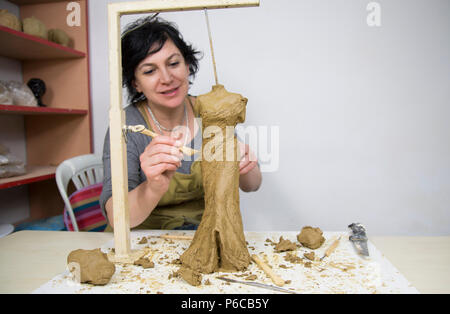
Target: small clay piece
{"type": "Point", "coordinates": [308, 264]}
{"type": "Point", "coordinates": [285, 245]}
{"type": "Point", "coordinates": [251, 277]}
{"type": "Point", "coordinates": [33, 26]}
{"type": "Point", "coordinates": [94, 266]}
{"type": "Point", "coordinates": [207, 282]}
{"type": "Point", "coordinates": [144, 262]}
{"type": "Point", "coordinates": [190, 276]}
{"type": "Point", "coordinates": [311, 256]}
{"type": "Point", "coordinates": [143, 240]}
{"type": "Point", "coordinates": [292, 258]}
{"type": "Point", "coordinates": [10, 20]}
{"type": "Point", "coordinates": [219, 242]}
{"type": "Point", "coordinates": [311, 237]}
{"type": "Point", "coordinates": [59, 36]}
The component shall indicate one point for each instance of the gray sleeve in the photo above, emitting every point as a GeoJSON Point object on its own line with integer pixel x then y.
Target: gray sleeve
{"type": "Point", "coordinates": [136, 145]}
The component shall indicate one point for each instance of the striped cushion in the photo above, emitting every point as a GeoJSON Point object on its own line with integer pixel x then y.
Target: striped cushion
{"type": "Point", "coordinates": [86, 208]}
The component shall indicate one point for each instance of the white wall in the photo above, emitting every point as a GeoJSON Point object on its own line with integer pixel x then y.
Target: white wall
{"type": "Point", "coordinates": [362, 111]}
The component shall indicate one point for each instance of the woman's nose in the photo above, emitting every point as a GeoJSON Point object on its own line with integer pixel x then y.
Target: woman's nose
{"type": "Point", "coordinates": [166, 76]}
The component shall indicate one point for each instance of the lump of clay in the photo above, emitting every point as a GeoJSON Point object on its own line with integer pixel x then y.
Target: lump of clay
{"type": "Point", "coordinates": [94, 266]}
{"type": "Point", "coordinates": [33, 26]}
{"type": "Point", "coordinates": [10, 20]}
{"type": "Point", "coordinates": [144, 262]}
{"type": "Point", "coordinates": [191, 276]}
{"type": "Point", "coordinates": [285, 245]}
{"type": "Point", "coordinates": [219, 242]}
{"type": "Point", "coordinates": [59, 36]}
{"type": "Point", "coordinates": [311, 237]}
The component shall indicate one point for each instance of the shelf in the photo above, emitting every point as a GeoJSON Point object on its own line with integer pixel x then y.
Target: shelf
{"type": "Point", "coordinates": [34, 174]}
{"type": "Point", "coordinates": [23, 2]}
{"type": "Point", "coordinates": [9, 109]}
{"type": "Point", "coordinates": [22, 46]}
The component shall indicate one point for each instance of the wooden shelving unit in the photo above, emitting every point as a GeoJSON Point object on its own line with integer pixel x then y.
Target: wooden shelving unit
{"type": "Point", "coordinates": [62, 129]}
{"type": "Point", "coordinates": [22, 46]}
{"type": "Point", "coordinates": [9, 109]}
{"type": "Point", "coordinates": [34, 174]}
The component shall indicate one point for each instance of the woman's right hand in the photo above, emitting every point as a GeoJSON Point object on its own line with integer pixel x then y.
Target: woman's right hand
{"type": "Point", "coordinates": [159, 161]}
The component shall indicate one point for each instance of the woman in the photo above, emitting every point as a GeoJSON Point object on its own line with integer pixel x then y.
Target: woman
{"type": "Point", "coordinates": [165, 187]}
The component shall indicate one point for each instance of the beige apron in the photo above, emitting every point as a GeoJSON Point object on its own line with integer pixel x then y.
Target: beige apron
{"type": "Point", "coordinates": [183, 203]}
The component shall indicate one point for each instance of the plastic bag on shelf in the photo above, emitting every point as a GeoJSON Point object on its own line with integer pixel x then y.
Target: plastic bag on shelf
{"type": "Point", "coordinates": [5, 95]}
{"type": "Point", "coordinates": [7, 171]}
{"type": "Point", "coordinates": [10, 165]}
{"type": "Point", "coordinates": [21, 94]}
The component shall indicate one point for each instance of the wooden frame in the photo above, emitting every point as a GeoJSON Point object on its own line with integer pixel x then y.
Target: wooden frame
{"type": "Point", "coordinates": [119, 173]}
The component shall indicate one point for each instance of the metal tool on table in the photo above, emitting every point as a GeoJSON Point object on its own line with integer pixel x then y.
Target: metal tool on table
{"type": "Point", "coordinates": [257, 284]}
{"type": "Point", "coordinates": [359, 239]}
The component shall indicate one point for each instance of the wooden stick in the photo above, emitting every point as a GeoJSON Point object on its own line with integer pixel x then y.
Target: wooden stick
{"type": "Point", "coordinates": [174, 237]}
{"type": "Point", "coordinates": [269, 272]}
{"type": "Point", "coordinates": [211, 46]}
{"type": "Point", "coordinates": [331, 249]}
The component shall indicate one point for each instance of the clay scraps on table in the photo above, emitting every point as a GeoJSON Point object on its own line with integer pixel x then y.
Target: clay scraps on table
{"type": "Point", "coordinates": [285, 245]}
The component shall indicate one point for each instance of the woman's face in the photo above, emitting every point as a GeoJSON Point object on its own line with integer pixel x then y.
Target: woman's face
{"type": "Point", "coordinates": [163, 76]}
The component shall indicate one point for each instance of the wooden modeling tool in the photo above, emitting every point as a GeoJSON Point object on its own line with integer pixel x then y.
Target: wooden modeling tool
{"type": "Point", "coordinates": [173, 237]}
{"type": "Point", "coordinates": [331, 249]}
{"type": "Point", "coordinates": [269, 272]}
{"type": "Point", "coordinates": [141, 129]}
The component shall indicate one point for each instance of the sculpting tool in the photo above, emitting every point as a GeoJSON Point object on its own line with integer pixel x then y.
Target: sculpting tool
{"type": "Point", "coordinates": [269, 272]}
{"type": "Point", "coordinates": [257, 284]}
{"type": "Point", "coordinates": [359, 239]}
{"type": "Point", "coordinates": [331, 249]}
{"type": "Point", "coordinates": [173, 237]}
{"type": "Point", "coordinates": [141, 129]}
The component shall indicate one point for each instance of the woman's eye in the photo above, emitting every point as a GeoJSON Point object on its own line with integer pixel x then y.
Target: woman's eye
{"type": "Point", "coordinates": [149, 72]}
{"type": "Point", "coordinates": [175, 63]}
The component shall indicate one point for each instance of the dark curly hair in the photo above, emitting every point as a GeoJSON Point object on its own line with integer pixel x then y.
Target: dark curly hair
{"type": "Point", "coordinates": [137, 40]}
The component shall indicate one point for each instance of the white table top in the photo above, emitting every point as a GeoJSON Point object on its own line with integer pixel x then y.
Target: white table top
{"type": "Point", "coordinates": [29, 259]}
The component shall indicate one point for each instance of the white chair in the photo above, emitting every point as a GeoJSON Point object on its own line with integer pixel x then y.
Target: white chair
{"type": "Point", "coordinates": [83, 170]}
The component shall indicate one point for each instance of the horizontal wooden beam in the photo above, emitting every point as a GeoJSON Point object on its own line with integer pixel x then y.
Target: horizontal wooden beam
{"type": "Point", "coordinates": [140, 7]}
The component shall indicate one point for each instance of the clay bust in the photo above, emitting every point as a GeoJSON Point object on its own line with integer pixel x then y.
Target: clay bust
{"type": "Point", "coordinates": [219, 243]}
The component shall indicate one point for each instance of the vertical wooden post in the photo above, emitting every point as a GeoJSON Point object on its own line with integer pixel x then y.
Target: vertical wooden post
{"type": "Point", "coordinates": [119, 171]}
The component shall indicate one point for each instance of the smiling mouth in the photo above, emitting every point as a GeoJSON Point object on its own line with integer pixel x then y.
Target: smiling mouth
{"type": "Point", "coordinates": [170, 91]}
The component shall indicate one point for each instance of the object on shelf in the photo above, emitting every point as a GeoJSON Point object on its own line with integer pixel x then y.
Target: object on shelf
{"type": "Point", "coordinates": [35, 27]}
{"type": "Point", "coordinates": [38, 88]}
{"type": "Point", "coordinates": [21, 94]}
{"type": "Point", "coordinates": [10, 165]}
{"type": "Point", "coordinates": [60, 37]}
{"type": "Point", "coordinates": [10, 20]}
{"type": "Point", "coordinates": [5, 95]}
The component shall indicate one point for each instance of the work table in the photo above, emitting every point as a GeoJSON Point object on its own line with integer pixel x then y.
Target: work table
{"type": "Point", "coordinates": [29, 259]}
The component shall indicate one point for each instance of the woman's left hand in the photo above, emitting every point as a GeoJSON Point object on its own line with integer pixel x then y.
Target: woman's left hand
{"type": "Point", "coordinates": [248, 159]}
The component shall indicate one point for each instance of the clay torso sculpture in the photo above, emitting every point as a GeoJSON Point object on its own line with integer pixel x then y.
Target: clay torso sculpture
{"type": "Point", "coordinates": [219, 243]}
